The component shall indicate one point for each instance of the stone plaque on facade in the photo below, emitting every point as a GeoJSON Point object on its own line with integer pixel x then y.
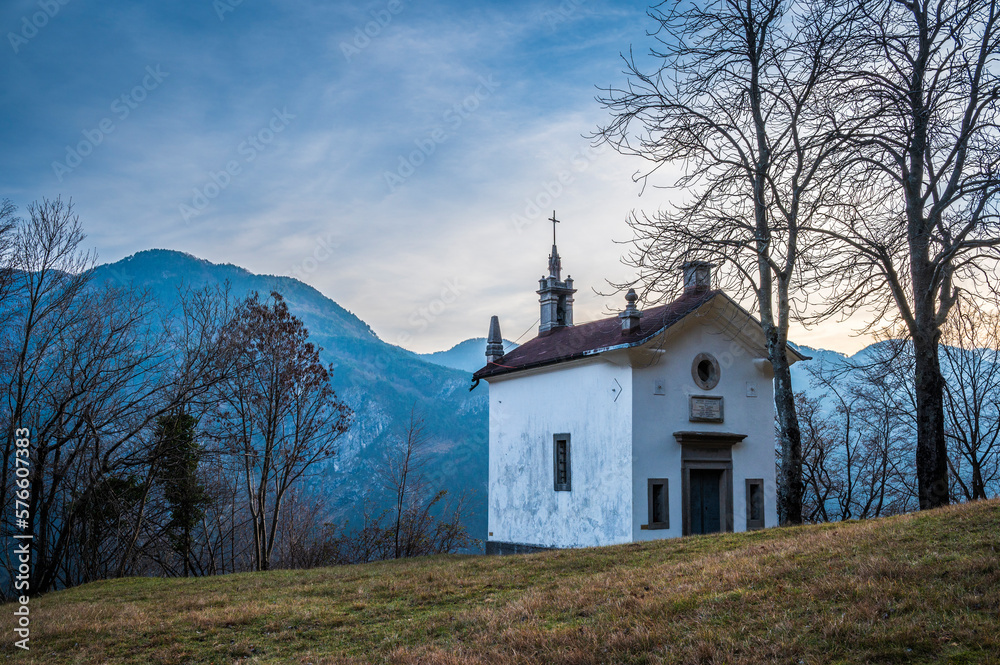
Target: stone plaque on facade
{"type": "Point", "coordinates": [705, 409]}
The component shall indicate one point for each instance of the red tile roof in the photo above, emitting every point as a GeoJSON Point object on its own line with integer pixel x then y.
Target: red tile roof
{"type": "Point", "coordinates": [562, 344]}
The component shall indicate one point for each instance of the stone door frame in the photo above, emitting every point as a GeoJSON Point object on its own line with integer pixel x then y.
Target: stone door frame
{"type": "Point", "coordinates": [711, 451]}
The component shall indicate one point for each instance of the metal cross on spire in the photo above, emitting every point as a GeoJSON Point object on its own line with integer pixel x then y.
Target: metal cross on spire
{"type": "Point", "coordinates": [555, 265]}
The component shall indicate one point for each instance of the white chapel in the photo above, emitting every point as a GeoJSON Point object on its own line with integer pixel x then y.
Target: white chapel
{"type": "Point", "coordinates": [649, 424]}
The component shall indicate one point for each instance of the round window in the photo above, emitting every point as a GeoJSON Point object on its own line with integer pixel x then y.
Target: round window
{"type": "Point", "coordinates": [705, 371]}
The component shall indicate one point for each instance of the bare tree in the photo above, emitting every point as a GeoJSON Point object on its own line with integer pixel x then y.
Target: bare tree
{"type": "Point", "coordinates": [226, 541]}
{"type": "Point", "coordinates": [88, 369]}
{"type": "Point", "coordinates": [822, 462]}
{"type": "Point", "coordinates": [198, 359]}
{"type": "Point", "coordinates": [96, 394]}
{"type": "Point", "coordinates": [371, 540]}
{"type": "Point", "coordinates": [45, 282]}
{"type": "Point", "coordinates": [307, 538]}
{"type": "Point", "coordinates": [424, 520]}
{"type": "Point", "coordinates": [882, 393]}
{"type": "Point", "coordinates": [280, 415]}
{"type": "Point", "coordinates": [921, 177]}
{"type": "Point", "coordinates": [8, 229]}
{"type": "Point", "coordinates": [45, 275]}
{"type": "Point", "coordinates": [860, 434]}
{"type": "Point", "coordinates": [971, 351]}
{"type": "Point", "coordinates": [737, 100]}
{"type": "Point", "coordinates": [402, 470]}
{"type": "Point", "coordinates": [96, 372]}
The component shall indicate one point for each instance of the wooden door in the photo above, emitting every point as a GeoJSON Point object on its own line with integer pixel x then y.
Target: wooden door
{"type": "Point", "coordinates": [706, 506]}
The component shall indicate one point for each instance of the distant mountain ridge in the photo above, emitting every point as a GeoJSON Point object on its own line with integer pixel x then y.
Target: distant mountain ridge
{"type": "Point", "coordinates": [467, 356]}
{"type": "Point", "coordinates": [161, 270]}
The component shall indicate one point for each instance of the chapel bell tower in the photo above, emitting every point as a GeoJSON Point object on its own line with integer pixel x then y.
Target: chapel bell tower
{"type": "Point", "coordinates": [555, 296]}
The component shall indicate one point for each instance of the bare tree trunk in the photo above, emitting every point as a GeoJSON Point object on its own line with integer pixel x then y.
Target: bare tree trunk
{"type": "Point", "coordinates": [137, 526]}
{"type": "Point", "coordinates": [790, 487]}
{"type": "Point", "coordinates": [932, 450]}
{"type": "Point", "coordinates": [401, 489]}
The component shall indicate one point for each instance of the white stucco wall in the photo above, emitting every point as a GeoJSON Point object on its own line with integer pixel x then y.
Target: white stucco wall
{"type": "Point", "coordinates": [592, 401]}
{"type": "Point", "coordinates": [656, 453]}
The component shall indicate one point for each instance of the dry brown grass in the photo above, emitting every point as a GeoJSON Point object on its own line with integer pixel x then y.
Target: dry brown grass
{"type": "Point", "coordinates": [917, 588]}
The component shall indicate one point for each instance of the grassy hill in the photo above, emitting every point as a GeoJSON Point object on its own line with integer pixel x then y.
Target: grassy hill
{"type": "Point", "coordinates": [910, 589]}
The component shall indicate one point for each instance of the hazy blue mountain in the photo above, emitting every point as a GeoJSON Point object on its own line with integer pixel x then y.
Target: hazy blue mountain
{"type": "Point", "coordinates": [801, 379]}
{"type": "Point", "coordinates": [467, 356]}
{"type": "Point", "coordinates": [829, 361]}
{"type": "Point", "coordinates": [379, 381]}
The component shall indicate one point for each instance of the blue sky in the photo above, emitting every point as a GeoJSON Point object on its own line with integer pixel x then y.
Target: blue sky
{"type": "Point", "coordinates": [400, 157]}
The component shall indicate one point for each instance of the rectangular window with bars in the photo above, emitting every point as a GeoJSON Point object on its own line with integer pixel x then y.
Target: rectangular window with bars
{"type": "Point", "coordinates": [659, 504]}
{"type": "Point", "coordinates": [561, 462]}
{"type": "Point", "coordinates": [755, 503]}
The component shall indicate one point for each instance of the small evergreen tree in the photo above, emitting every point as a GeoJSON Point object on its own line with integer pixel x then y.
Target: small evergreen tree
{"type": "Point", "coordinates": [178, 453]}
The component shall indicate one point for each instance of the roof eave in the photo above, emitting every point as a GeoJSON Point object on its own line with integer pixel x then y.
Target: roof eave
{"type": "Point", "coordinates": [487, 372]}
{"type": "Point", "coordinates": [576, 356]}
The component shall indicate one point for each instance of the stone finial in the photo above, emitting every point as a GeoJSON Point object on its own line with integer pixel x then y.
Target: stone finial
{"type": "Point", "coordinates": [630, 317]}
{"type": "Point", "coordinates": [555, 264]}
{"type": "Point", "coordinates": [494, 342]}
